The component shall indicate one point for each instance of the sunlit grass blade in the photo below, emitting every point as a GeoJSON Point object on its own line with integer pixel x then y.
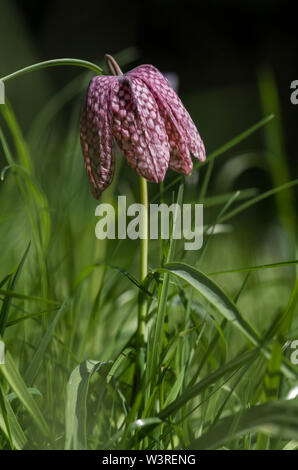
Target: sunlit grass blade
{"type": "Point", "coordinates": [76, 399]}
{"type": "Point", "coordinates": [10, 424]}
{"type": "Point", "coordinates": [11, 373]}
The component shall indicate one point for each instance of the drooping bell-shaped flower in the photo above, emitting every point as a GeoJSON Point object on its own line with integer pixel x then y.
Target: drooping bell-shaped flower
{"type": "Point", "coordinates": [142, 112]}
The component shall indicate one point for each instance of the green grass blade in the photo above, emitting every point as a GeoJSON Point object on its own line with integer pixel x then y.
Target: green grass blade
{"type": "Point", "coordinates": [257, 199]}
{"type": "Point", "coordinates": [281, 264]}
{"type": "Point", "coordinates": [36, 361]}
{"type": "Point", "coordinates": [89, 270]}
{"type": "Point", "coordinates": [27, 317]}
{"type": "Point", "coordinates": [10, 424]}
{"type": "Point", "coordinates": [277, 419]}
{"type": "Point", "coordinates": [33, 192]}
{"type": "Point", "coordinates": [276, 150]}
{"type": "Point", "coordinates": [76, 399]}
{"type": "Point", "coordinates": [214, 295]}
{"type": "Point", "coordinates": [220, 199]}
{"type": "Point", "coordinates": [155, 348]}
{"type": "Point", "coordinates": [7, 300]}
{"type": "Point", "coordinates": [54, 63]}
{"type": "Point", "coordinates": [10, 372]}
{"type": "Point", "coordinates": [17, 295]}
{"type": "Point", "coordinates": [200, 387]}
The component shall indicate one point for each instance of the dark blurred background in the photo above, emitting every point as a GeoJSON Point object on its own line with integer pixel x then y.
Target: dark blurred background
{"type": "Point", "coordinates": [212, 45]}
{"type": "Point", "coordinates": [218, 49]}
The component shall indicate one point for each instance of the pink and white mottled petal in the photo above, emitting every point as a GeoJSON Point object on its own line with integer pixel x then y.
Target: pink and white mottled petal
{"type": "Point", "coordinates": [96, 135]}
{"type": "Point", "coordinates": [169, 101]}
{"type": "Point", "coordinates": [139, 129]}
{"type": "Point", "coordinates": [180, 159]}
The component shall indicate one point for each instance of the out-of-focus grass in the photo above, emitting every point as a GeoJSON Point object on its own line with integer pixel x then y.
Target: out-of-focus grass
{"type": "Point", "coordinates": [217, 320]}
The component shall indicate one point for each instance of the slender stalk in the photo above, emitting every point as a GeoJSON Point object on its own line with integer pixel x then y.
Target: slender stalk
{"type": "Point", "coordinates": [112, 65]}
{"type": "Point", "coordinates": [143, 262]}
{"type": "Point", "coordinates": [144, 230]}
{"type": "Point", "coordinates": [54, 63]}
{"type": "Point", "coordinates": [142, 304]}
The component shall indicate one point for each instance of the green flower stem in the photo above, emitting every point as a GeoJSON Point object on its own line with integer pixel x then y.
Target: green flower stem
{"type": "Point", "coordinates": [144, 232]}
{"type": "Point", "coordinates": [143, 273]}
{"type": "Point", "coordinates": [54, 63]}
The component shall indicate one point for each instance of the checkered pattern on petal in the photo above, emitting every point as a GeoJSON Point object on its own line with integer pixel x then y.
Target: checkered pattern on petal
{"type": "Point", "coordinates": [181, 124]}
{"type": "Point", "coordinates": [96, 134]}
{"type": "Point", "coordinates": [139, 129]}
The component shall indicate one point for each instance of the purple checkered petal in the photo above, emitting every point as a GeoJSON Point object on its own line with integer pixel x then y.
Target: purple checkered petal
{"type": "Point", "coordinates": [148, 121]}
{"type": "Point", "coordinates": [181, 130]}
{"type": "Point", "coordinates": [96, 134]}
{"type": "Point", "coordinates": [139, 128]}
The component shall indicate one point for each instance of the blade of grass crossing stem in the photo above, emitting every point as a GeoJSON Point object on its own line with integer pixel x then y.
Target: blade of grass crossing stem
{"type": "Point", "coordinates": [76, 404]}
{"type": "Point", "coordinates": [36, 361]}
{"type": "Point", "coordinates": [7, 300]}
{"type": "Point", "coordinates": [10, 372]}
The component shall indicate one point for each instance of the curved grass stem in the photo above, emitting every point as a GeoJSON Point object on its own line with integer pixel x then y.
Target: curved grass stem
{"type": "Point", "coordinates": [54, 63]}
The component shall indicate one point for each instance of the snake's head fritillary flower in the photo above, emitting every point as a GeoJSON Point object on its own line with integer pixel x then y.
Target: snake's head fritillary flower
{"type": "Point", "coordinates": [148, 121]}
